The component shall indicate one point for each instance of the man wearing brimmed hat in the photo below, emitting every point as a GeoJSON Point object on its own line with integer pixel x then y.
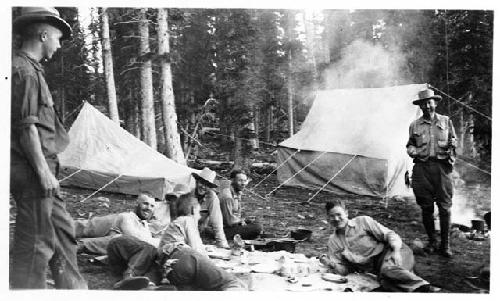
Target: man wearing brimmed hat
{"type": "Point", "coordinates": [210, 206]}
{"type": "Point", "coordinates": [44, 232]}
{"type": "Point", "coordinates": [432, 146]}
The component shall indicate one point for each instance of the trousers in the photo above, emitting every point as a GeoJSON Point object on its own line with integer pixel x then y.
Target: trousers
{"type": "Point", "coordinates": [44, 235]}
{"type": "Point", "coordinates": [192, 271]}
{"type": "Point", "coordinates": [399, 278]}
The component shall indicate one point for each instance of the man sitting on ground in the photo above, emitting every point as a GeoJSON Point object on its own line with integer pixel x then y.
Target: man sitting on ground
{"type": "Point", "coordinates": [230, 202]}
{"type": "Point", "coordinates": [210, 206]}
{"type": "Point", "coordinates": [362, 244]}
{"type": "Point", "coordinates": [180, 259]}
{"type": "Point", "coordinates": [94, 235]}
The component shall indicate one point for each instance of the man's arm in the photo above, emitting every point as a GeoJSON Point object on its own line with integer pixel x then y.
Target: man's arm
{"type": "Point", "coordinates": [382, 233]}
{"type": "Point", "coordinates": [193, 238]}
{"type": "Point", "coordinates": [411, 145]}
{"type": "Point", "coordinates": [334, 260]}
{"type": "Point", "coordinates": [30, 143]}
{"type": "Point", "coordinates": [129, 226]}
{"type": "Point", "coordinates": [227, 208]}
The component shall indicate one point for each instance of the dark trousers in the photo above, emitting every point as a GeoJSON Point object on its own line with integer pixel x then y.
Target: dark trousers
{"type": "Point", "coordinates": [248, 231]}
{"type": "Point", "coordinates": [129, 255]}
{"type": "Point", "coordinates": [432, 183]}
{"type": "Point", "coordinates": [44, 236]}
{"type": "Point", "coordinates": [193, 270]}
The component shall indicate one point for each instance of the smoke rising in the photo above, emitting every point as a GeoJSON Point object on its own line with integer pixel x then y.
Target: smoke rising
{"type": "Point", "coordinates": [365, 65]}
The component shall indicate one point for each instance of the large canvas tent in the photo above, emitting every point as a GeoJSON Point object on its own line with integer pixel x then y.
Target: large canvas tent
{"type": "Point", "coordinates": [363, 131]}
{"type": "Point", "coordinates": [101, 153]}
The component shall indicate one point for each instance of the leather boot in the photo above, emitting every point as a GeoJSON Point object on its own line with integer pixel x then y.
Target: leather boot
{"type": "Point", "coordinates": [428, 221]}
{"type": "Point", "coordinates": [444, 223]}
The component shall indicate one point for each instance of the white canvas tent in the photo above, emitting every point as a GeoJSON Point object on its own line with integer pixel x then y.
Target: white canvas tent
{"type": "Point", "coordinates": [100, 151]}
{"type": "Point", "coordinates": [369, 123]}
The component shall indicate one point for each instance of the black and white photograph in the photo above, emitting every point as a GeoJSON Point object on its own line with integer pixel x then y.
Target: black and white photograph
{"type": "Point", "coordinates": [189, 146]}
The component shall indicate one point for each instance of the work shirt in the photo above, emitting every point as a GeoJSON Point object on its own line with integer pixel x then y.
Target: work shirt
{"type": "Point", "coordinates": [31, 103]}
{"type": "Point", "coordinates": [230, 204]}
{"type": "Point", "coordinates": [129, 223]}
{"type": "Point", "coordinates": [365, 239]}
{"type": "Point", "coordinates": [210, 210]}
{"type": "Point", "coordinates": [182, 232]}
{"type": "Point", "coordinates": [429, 138]}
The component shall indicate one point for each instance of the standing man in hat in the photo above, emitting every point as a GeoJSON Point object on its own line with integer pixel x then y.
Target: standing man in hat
{"type": "Point", "coordinates": [432, 145]}
{"type": "Point", "coordinates": [44, 234]}
{"type": "Point", "coordinates": [210, 206]}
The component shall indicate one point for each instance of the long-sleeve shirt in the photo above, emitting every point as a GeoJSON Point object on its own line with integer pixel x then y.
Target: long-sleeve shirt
{"type": "Point", "coordinates": [430, 138]}
{"type": "Point", "coordinates": [230, 204]}
{"type": "Point", "coordinates": [182, 232]}
{"type": "Point", "coordinates": [128, 223]}
{"type": "Point", "coordinates": [211, 214]}
{"type": "Point", "coordinates": [363, 239]}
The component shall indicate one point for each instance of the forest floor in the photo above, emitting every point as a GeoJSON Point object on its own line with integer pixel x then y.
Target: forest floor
{"type": "Point", "coordinates": [283, 211]}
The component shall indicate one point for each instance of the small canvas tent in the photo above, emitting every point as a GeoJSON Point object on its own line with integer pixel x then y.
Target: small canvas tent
{"type": "Point", "coordinates": [101, 152]}
{"type": "Point", "coordinates": [369, 123]}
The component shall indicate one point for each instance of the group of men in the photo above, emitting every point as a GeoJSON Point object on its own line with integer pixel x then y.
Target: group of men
{"type": "Point", "coordinates": [45, 232]}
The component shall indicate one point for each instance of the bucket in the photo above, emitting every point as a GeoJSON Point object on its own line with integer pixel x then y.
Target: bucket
{"type": "Point", "coordinates": [478, 225]}
{"type": "Point", "coordinates": [301, 234]}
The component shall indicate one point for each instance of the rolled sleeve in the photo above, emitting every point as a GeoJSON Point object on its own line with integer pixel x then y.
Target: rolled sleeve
{"type": "Point", "coordinates": [26, 98]}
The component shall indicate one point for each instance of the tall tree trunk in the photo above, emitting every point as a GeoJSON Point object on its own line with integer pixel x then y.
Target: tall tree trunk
{"type": "Point", "coordinates": [108, 68]}
{"type": "Point", "coordinates": [62, 94]}
{"type": "Point", "coordinates": [256, 122]}
{"type": "Point", "coordinates": [147, 108]}
{"type": "Point", "coordinates": [310, 41]}
{"type": "Point", "coordinates": [173, 147]}
{"type": "Point", "coordinates": [269, 123]}
{"type": "Point", "coordinates": [290, 77]}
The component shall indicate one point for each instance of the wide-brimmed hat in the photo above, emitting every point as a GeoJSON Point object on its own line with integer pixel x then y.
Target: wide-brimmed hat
{"type": "Point", "coordinates": [206, 176]}
{"type": "Point", "coordinates": [426, 94]}
{"type": "Point", "coordinates": [47, 15]}
{"type": "Point", "coordinates": [179, 189]}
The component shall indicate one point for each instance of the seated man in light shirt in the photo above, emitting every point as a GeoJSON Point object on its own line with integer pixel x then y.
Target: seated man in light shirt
{"type": "Point", "coordinates": [211, 221]}
{"type": "Point", "coordinates": [180, 259]}
{"type": "Point", "coordinates": [94, 235]}
{"type": "Point", "coordinates": [230, 203]}
{"type": "Point", "coordinates": [361, 244]}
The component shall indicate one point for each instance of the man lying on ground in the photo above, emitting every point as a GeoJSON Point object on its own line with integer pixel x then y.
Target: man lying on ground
{"type": "Point", "coordinates": [230, 203]}
{"type": "Point", "coordinates": [180, 259]}
{"type": "Point", "coordinates": [211, 221]}
{"type": "Point", "coordinates": [362, 244]}
{"type": "Point", "coordinates": [94, 235]}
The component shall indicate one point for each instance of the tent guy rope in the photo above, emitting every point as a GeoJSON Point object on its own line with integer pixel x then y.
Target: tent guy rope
{"type": "Point", "coordinates": [268, 175]}
{"type": "Point", "coordinates": [287, 180]}
{"type": "Point", "coordinates": [331, 179]}
{"type": "Point", "coordinates": [458, 101]}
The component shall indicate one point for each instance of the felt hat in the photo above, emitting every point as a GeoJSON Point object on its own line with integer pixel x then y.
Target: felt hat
{"type": "Point", "coordinates": [426, 94]}
{"type": "Point", "coordinates": [47, 15]}
{"type": "Point", "coordinates": [206, 176]}
{"type": "Point", "coordinates": [179, 189]}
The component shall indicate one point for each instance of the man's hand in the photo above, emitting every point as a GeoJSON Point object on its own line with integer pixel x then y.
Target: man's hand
{"type": "Point", "coordinates": [396, 256]}
{"type": "Point", "coordinates": [323, 259]}
{"type": "Point", "coordinates": [412, 151]}
{"type": "Point", "coordinates": [50, 184]}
